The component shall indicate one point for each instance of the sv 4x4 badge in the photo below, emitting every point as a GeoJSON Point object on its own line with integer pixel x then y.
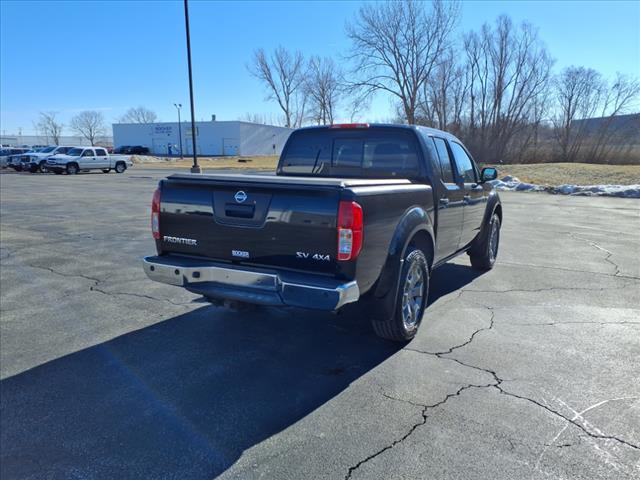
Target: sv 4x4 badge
{"type": "Point", "coordinates": [315, 256]}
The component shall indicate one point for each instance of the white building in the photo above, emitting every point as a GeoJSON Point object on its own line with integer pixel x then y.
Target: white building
{"type": "Point", "coordinates": [212, 138]}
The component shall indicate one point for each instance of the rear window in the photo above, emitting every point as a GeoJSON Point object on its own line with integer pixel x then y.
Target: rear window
{"type": "Point", "coordinates": [372, 152]}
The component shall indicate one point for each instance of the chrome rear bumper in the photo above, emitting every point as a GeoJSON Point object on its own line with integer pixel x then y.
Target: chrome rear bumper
{"type": "Point", "coordinates": [250, 285]}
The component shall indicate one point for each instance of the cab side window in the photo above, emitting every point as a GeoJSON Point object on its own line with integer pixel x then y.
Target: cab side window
{"type": "Point", "coordinates": [446, 169]}
{"type": "Point", "coordinates": [88, 153]}
{"type": "Point", "coordinates": [464, 164]}
{"type": "Point", "coordinates": [100, 152]}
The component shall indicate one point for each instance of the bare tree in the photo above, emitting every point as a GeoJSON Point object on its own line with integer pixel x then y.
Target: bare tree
{"type": "Point", "coordinates": [620, 96]}
{"type": "Point", "coordinates": [357, 106]}
{"type": "Point", "coordinates": [509, 70]}
{"type": "Point", "coordinates": [283, 74]}
{"type": "Point", "coordinates": [322, 88]}
{"type": "Point", "coordinates": [579, 93]}
{"type": "Point", "coordinates": [262, 118]}
{"type": "Point", "coordinates": [49, 127]}
{"type": "Point", "coordinates": [396, 46]}
{"type": "Point", "coordinates": [139, 115]}
{"type": "Point", "coordinates": [445, 94]}
{"type": "Point", "coordinates": [587, 107]}
{"type": "Point", "coordinates": [90, 124]}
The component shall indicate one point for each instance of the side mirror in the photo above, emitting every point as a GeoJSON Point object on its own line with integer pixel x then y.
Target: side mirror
{"type": "Point", "coordinates": [488, 173]}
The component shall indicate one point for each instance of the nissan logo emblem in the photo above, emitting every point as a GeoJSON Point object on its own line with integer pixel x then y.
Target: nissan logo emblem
{"type": "Point", "coordinates": [240, 196]}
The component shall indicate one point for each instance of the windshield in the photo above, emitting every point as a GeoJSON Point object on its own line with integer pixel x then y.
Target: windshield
{"type": "Point", "coordinates": [75, 152]}
{"type": "Point", "coordinates": [372, 152]}
{"type": "Point", "coordinates": [47, 149]}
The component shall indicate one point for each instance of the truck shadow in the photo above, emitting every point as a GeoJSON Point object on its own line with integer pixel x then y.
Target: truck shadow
{"type": "Point", "coordinates": [449, 278]}
{"type": "Point", "coordinates": [185, 397]}
{"type": "Point", "coordinates": [182, 398]}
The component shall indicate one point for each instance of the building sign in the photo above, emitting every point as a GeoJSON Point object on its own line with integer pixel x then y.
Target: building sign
{"type": "Point", "coordinates": [162, 129]}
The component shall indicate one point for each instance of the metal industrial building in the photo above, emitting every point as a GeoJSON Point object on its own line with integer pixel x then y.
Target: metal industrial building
{"type": "Point", "coordinates": [212, 138]}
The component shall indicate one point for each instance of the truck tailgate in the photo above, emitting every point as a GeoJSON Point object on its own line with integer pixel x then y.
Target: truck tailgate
{"type": "Point", "coordinates": [261, 220]}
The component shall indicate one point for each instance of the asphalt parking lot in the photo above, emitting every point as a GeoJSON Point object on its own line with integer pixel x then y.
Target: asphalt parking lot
{"type": "Point", "coordinates": [529, 371]}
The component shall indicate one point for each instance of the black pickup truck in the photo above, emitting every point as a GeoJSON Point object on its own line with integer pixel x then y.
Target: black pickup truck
{"type": "Point", "coordinates": [355, 212]}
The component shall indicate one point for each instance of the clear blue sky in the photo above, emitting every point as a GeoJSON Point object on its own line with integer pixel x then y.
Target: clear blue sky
{"type": "Point", "coordinates": [111, 55]}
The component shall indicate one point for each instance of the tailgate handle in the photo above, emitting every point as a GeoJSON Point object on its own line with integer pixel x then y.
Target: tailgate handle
{"type": "Point", "coordinates": [239, 211]}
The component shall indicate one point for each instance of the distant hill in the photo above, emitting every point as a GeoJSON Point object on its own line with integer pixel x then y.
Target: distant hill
{"type": "Point", "coordinates": [626, 125]}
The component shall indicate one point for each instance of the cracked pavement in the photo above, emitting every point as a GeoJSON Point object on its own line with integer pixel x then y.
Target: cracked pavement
{"type": "Point", "coordinates": [527, 371]}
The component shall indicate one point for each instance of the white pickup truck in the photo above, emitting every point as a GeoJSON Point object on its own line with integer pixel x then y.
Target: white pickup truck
{"type": "Point", "coordinates": [37, 161]}
{"type": "Point", "coordinates": [88, 158]}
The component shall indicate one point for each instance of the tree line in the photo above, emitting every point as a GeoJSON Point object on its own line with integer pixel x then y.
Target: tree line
{"type": "Point", "coordinates": [88, 124]}
{"type": "Point", "coordinates": [493, 87]}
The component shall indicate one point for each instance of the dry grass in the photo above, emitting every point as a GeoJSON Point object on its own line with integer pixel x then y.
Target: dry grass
{"type": "Point", "coordinates": [539, 173]}
{"type": "Point", "coordinates": [573, 173]}
{"type": "Point", "coordinates": [209, 163]}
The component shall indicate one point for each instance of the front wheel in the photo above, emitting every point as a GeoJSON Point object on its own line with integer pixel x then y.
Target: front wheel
{"type": "Point", "coordinates": [120, 167]}
{"type": "Point", "coordinates": [483, 255]}
{"type": "Point", "coordinates": [43, 167]}
{"type": "Point", "coordinates": [72, 169]}
{"type": "Point", "coordinates": [411, 300]}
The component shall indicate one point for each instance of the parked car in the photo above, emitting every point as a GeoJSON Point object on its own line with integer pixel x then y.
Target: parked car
{"type": "Point", "coordinates": [88, 158]}
{"type": "Point", "coordinates": [37, 161]}
{"type": "Point", "coordinates": [121, 149]}
{"type": "Point", "coordinates": [10, 155]}
{"type": "Point", "coordinates": [138, 150]}
{"type": "Point", "coordinates": [355, 212]}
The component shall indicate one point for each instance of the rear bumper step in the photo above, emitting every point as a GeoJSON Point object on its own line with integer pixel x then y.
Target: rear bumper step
{"type": "Point", "coordinates": [264, 287]}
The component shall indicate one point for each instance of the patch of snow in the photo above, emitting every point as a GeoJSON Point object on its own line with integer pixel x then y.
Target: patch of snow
{"type": "Point", "coordinates": [513, 184]}
{"type": "Point", "coordinates": [625, 191]}
{"type": "Point", "coordinates": [510, 183]}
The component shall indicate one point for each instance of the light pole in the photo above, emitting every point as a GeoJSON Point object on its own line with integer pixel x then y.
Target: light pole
{"type": "Point", "coordinates": [178, 107]}
{"type": "Point", "coordinates": [195, 168]}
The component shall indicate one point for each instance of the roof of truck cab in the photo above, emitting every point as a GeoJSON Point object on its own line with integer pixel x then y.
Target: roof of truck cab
{"type": "Point", "coordinates": [426, 130]}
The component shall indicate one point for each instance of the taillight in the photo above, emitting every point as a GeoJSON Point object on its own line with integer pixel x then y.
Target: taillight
{"type": "Point", "coordinates": [155, 214]}
{"type": "Point", "coordinates": [350, 223]}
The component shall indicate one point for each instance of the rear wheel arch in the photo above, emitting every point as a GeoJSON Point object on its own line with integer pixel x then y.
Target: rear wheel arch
{"type": "Point", "coordinates": [423, 241]}
{"type": "Point", "coordinates": [415, 225]}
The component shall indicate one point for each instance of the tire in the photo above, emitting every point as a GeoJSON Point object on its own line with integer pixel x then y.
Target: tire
{"type": "Point", "coordinates": [106, 170]}
{"type": "Point", "coordinates": [483, 255]}
{"type": "Point", "coordinates": [34, 169]}
{"type": "Point", "coordinates": [120, 167]}
{"type": "Point", "coordinates": [42, 168]}
{"type": "Point", "coordinates": [411, 299]}
{"type": "Point", "coordinates": [72, 169]}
